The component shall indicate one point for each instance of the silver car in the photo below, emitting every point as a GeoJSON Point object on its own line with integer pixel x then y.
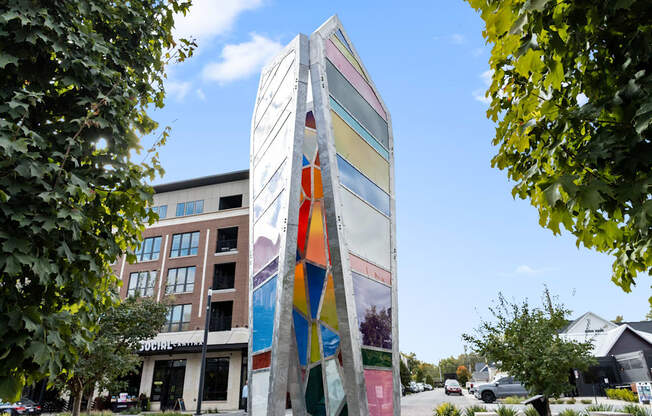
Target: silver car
{"type": "Point", "coordinates": [501, 387]}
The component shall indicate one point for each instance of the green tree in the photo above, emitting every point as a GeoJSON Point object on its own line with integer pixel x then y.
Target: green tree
{"type": "Point", "coordinates": [648, 315]}
{"type": "Point", "coordinates": [406, 377]}
{"type": "Point", "coordinates": [525, 341]}
{"type": "Point", "coordinates": [77, 80]}
{"type": "Point", "coordinates": [619, 319]}
{"type": "Point", "coordinates": [430, 380]}
{"type": "Point", "coordinates": [113, 352]}
{"type": "Point", "coordinates": [572, 96]}
{"type": "Point", "coordinates": [463, 375]}
{"type": "Point", "coordinates": [419, 375]}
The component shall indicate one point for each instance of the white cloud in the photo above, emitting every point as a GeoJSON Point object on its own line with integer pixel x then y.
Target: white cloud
{"type": "Point", "coordinates": [457, 39]}
{"type": "Point", "coordinates": [479, 94]}
{"type": "Point", "coordinates": [200, 94]}
{"type": "Point", "coordinates": [209, 18]}
{"type": "Point", "coordinates": [525, 270]}
{"type": "Point", "coordinates": [177, 89]}
{"type": "Point", "coordinates": [242, 60]}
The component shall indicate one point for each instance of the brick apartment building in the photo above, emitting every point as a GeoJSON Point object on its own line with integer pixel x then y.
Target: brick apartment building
{"type": "Point", "coordinates": [199, 243]}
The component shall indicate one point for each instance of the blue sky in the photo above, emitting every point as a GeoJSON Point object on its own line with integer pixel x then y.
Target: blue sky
{"type": "Point", "coordinates": [461, 236]}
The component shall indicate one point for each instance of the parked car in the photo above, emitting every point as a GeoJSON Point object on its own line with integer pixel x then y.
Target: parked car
{"type": "Point", "coordinates": [452, 387]}
{"type": "Point", "coordinates": [501, 387]}
{"type": "Point", "coordinates": [427, 386]}
{"type": "Point", "coordinates": [7, 408]}
{"type": "Point", "coordinates": [24, 407]}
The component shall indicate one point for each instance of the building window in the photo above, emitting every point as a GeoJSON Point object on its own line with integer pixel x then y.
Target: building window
{"type": "Point", "coordinates": [190, 208]}
{"type": "Point", "coordinates": [141, 283]}
{"type": "Point", "coordinates": [227, 239]}
{"type": "Point", "coordinates": [216, 376]}
{"type": "Point", "coordinates": [178, 318]}
{"type": "Point", "coordinates": [149, 249]}
{"type": "Point", "coordinates": [221, 315]}
{"type": "Point", "coordinates": [185, 244]}
{"type": "Point", "coordinates": [229, 202]}
{"type": "Point", "coordinates": [224, 276]}
{"type": "Point", "coordinates": [181, 280]}
{"type": "Point", "coordinates": [161, 210]}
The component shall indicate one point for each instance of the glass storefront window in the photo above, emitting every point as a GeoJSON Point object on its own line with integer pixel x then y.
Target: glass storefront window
{"type": "Point", "coordinates": [167, 383]}
{"type": "Point", "coordinates": [216, 378]}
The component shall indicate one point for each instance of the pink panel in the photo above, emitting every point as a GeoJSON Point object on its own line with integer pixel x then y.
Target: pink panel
{"type": "Point", "coordinates": [370, 270]}
{"type": "Point", "coordinates": [353, 76]}
{"type": "Point", "coordinates": [379, 392]}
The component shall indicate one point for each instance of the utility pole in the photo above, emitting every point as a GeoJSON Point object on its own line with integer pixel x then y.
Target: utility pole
{"type": "Point", "coordinates": [200, 395]}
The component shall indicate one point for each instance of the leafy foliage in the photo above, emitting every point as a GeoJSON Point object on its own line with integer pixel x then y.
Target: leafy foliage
{"type": "Point", "coordinates": [502, 410]}
{"type": "Point", "coordinates": [471, 410]}
{"type": "Point", "coordinates": [525, 341]}
{"type": "Point", "coordinates": [635, 410]}
{"type": "Point", "coordinates": [463, 375]}
{"type": "Point", "coordinates": [621, 394]}
{"type": "Point", "coordinates": [447, 409]}
{"type": "Point", "coordinates": [72, 73]}
{"type": "Point", "coordinates": [572, 96]}
{"type": "Point", "coordinates": [112, 354]}
{"type": "Point", "coordinates": [405, 374]}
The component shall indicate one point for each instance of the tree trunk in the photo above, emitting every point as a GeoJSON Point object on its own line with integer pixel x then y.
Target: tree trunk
{"type": "Point", "coordinates": [91, 391]}
{"type": "Point", "coordinates": [76, 404]}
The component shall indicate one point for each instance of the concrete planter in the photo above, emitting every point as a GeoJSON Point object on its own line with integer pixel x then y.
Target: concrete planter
{"type": "Point", "coordinates": [608, 413]}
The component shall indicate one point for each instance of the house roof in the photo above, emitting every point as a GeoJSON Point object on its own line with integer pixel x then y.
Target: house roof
{"type": "Point", "coordinates": [238, 175]}
{"type": "Point", "coordinates": [643, 326]}
{"type": "Point", "coordinates": [603, 342]}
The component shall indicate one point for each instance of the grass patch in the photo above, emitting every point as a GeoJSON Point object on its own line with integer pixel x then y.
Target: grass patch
{"type": "Point", "coordinates": [511, 400]}
{"type": "Point", "coordinates": [530, 411]}
{"type": "Point", "coordinates": [586, 401]}
{"type": "Point", "coordinates": [571, 401]}
{"type": "Point", "coordinates": [600, 408]}
{"type": "Point", "coordinates": [635, 410]}
{"type": "Point", "coordinates": [506, 411]}
{"type": "Point", "coordinates": [570, 412]}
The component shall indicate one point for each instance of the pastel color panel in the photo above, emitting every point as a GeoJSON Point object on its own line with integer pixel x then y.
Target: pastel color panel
{"type": "Point", "coordinates": [356, 105]}
{"type": "Point", "coordinates": [360, 154]}
{"type": "Point", "coordinates": [339, 35]}
{"type": "Point", "coordinates": [268, 161]}
{"type": "Point", "coordinates": [362, 186]}
{"type": "Point", "coordinates": [309, 144]}
{"type": "Point", "coordinates": [373, 303]}
{"type": "Point", "coordinates": [315, 355]}
{"type": "Point", "coordinates": [263, 307]}
{"type": "Point", "coordinates": [267, 272]}
{"type": "Point", "coordinates": [301, 332]}
{"type": "Point", "coordinates": [361, 131]}
{"type": "Point", "coordinates": [316, 250]}
{"type": "Point", "coordinates": [300, 301]}
{"type": "Point", "coordinates": [316, 277]}
{"type": "Point", "coordinates": [330, 341]}
{"type": "Point", "coordinates": [370, 270]}
{"type": "Point", "coordinates": [334, 386]}
{"type": "Point", "coordinates": [379, 392]}
{"type": "Point", "coordinates": [267, 235]}
{"type": "Point", "coordinates": [270, 192]}
{"type": "Point", "coordinates": [343, 47]}
{"type": "Point", "coordinates": [366, 230]}
{"type": "Point", "coordinates": [258, 392]}
{"type": "Point", "coordinates": [375, 358]}
{"type": "Point", "coordinates": [328, 313]}
{"type": "Point", "coordinates": [354, 77]}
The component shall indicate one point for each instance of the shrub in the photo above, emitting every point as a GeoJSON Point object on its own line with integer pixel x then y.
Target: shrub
{"type": "Point", "coordinates": [445, 409]}
{"type": "Point", "coordinates": [134, 410]}
{"type": "Point", "coordinates": [635, 410]}
{"type": "Point", "coordinates": [586, 401]}
{"type": "Point", "coordinates": [569, 412]}
{"type": "Point", "coordinates": [512, 400]}
{"type": "Point", "coordinates": [600, 408]}
{"type": "Point", "coordinates": [530, 411]}
{"type": "Point", "coordinates": [506, 411]}
{"type": "Point", "coordinates": [470, 411]}
{"type": "Point", "coordinates": [570, 401]}
{"type": "Point", "coordinates": [621, 394]}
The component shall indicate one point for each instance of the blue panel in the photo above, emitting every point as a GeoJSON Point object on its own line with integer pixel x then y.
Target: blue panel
{"type": "Point", "coordinates": [301, 330]}
{"type": "Point", "coordinates": [362, 186]}
{"type": "Point", "coordinates": [356, 105]}
{"type": "Point", "coordinates": [316, 277]}
{"type": "Point", "coordinates": [264, 304]}
{"type": "Point", "coordinates": [330, 341]}
{"type": "Point", "coordinates": [340, 36]}
{"type": "Point", "coordinates": [306, 162]}
{"type": "Point", "coordinates": [357, 127]}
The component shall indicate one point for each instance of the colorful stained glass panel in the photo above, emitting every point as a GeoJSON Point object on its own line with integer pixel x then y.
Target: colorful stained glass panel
{"type": "Point", "coordinates": [300, 301]}
{"type": "Point", "coordinates": [330, 341]}
{"type": "Point", "coordinates": [266, 272]}
{"type": "Point", "coordinates": [315, 401]}
{"type": "Point", "coordinates": [263, 307]}
{"type": "Point", "coordinates": [362, 186]}
{"type": "Point", "coordinates": [375, 358]}
{"type": "Point", "coordinates": [259, 392]}
{"type": "Point", "coordinates": [267, 238]}
{"type": "Point", "coordinates": [365, 268]}
{"type": "Point", "coordinates": [301, 331]}
{"type": "Point", "coordinates": [379, 392]}
{"type": "Point", "coordinates": [373, 303]}
{"type": "Point", "coordinates": [316, 250]}
{"type": "Point", "coordinates": [334, 386]}
{"type": "Point", "coordinates": [315, 354]}
{"type": "Point", "coordinates": [328, 312]}
{"type": "Point", "coordinates": [316, 277]}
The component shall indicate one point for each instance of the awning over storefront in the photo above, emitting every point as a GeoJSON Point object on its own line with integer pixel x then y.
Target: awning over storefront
{"type": "Point", "coordinates": [191, 341]}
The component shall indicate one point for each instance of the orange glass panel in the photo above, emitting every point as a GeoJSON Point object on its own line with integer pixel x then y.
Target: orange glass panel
{"type": "Point", "coordinates": [318, 191]}
{"type": "Point", "coordinates": [328, 310]}
{"type": "Point", "coordinates": [300, 301]}
{"type": "Point", "coordinates": [317, 159]}
{"type": "Point", "coordinates": [315, 355]}
{"type": "Point", "coordinates": [304, 213]}
{"type": "Point", "coordinates": [316, 249]}
{"type": "Point", "coordinates": [305, 181]}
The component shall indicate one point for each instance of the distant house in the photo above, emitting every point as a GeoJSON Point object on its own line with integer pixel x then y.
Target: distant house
{"type": "Point", "coordinates": [483, 372]}
{"type": "Point", "coordinates": [623, 351]}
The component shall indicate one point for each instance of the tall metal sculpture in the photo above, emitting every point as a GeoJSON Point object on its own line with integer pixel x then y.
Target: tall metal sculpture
{"type": "Point", "coordinates": [323, 295]}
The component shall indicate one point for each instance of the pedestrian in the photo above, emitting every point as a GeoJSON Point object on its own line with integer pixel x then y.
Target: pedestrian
{"type": "Point", "coordinates": [245, 394]}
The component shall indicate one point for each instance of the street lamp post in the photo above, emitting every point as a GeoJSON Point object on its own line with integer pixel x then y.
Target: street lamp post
{"type": "Point", "coordinates": [200, 395]}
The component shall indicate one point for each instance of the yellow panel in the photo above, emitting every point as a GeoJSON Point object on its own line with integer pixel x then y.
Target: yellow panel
{"type": "Point", "coordinates": [348, 55]}
{"type": "Point", "coordinates": [359, 153]}
{"type": "Point", "coordinates": [300, 301]}
{"type": "Point", "coordinates": [315, 355]}
{"type": "Point", "coordinates": [328, 311]}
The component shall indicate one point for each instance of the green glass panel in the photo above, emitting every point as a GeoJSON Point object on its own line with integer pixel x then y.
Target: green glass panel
{"type": "Point", "coordinates": [376, 358]}
{"type": "Point", "coordinates": [345, 410]}
{"type": "Point", "coordinates": [315, 401]}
